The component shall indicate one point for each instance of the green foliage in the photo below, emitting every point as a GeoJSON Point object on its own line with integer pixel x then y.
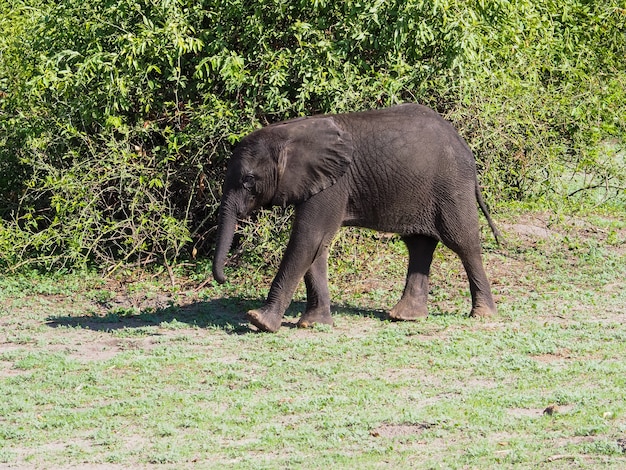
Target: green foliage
{"type": "Point", "coordinates": [544, 108]}
{"type": "Point", "coordinates": [116, 116]}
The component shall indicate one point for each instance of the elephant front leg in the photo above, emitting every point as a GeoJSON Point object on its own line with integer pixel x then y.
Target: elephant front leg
{"type": "Point", "coordinates": [270, 316]}
{"type": "Point", "coordinates": [318, 296]}
{"type": "Point", "coordinates": [412, 305]}
{"type": "Point", "coordinates": [307, 252]}
{"type": "Point", "coordinates": [293, 266]}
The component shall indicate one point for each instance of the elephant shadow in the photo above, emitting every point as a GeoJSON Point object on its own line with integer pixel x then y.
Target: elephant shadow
{"type": "Point", "coordinates": [227, 314]}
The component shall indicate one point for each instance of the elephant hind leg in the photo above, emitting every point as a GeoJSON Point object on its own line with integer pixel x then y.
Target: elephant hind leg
{"type": "Point", "coordinates": [318, 296]}
{"type": "Point", "coordinates": [483, 304]}
{"type": "Point", "coordinates": [469, 251]}
{"type": "Point", "coordinates": [412, 305]}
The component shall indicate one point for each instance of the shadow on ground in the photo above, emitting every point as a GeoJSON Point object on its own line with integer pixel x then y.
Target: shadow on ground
{"type": "Point", "coordinates": [224, 314]}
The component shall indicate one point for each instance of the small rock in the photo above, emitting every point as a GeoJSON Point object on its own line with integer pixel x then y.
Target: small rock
{"type": "Point", "coordinates": [550, 410]}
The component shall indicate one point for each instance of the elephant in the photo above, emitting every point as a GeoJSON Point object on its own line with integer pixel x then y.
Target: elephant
{"type": "Point", "coordinates": [402, 169]}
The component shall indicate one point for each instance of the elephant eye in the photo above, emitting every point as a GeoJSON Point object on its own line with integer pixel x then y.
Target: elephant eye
{"type": "Point", "coordinates": [249, 182]}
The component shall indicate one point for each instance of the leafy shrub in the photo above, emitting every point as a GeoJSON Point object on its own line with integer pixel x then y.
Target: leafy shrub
{"type": "Point", "coordinates": [544, 104]}
{"type": "Point", "coordinates": [116, 116]}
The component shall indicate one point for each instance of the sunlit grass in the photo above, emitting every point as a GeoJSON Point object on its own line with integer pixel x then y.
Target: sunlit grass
{"type": "Point", "coordinates": [145, 373]}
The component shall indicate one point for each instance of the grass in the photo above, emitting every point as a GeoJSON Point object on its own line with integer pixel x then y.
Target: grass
{"type": "Point", "coordinates": [136, 374]}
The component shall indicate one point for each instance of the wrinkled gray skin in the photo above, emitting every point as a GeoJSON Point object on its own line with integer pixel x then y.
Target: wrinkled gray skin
{"type": "Point", "coordinates": [403, 169]}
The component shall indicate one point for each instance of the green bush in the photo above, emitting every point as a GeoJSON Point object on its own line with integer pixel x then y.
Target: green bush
{"type": "Point", "coordinates": [116, 116]}
{"type": "Point", "coordinates": [544, 106]}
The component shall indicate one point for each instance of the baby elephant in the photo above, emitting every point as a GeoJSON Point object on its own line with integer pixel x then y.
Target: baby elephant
{"type": "Point", "coordinates": [403, 169]}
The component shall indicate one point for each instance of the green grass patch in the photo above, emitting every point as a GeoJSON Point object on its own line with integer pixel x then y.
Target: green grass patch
{"type": "Point", "coordinates": [142, 373]}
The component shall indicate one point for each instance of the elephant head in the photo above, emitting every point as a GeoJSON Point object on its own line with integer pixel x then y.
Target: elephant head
{"type": "Point", "coordinates": [282, 164]}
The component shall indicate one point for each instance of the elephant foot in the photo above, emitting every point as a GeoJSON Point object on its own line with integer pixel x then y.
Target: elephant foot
{"type": "Point", "coordinates": [407, 310]}
{"type": "Point", "coordinates": [265, 320]}
{"type": "Point", "coordinates": [315, 316]}
{"type": "Point", "coordinates": [483, 311]}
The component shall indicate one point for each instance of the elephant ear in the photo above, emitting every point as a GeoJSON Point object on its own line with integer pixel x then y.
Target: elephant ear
{"type": "Point", "coordinates": [315, 153]}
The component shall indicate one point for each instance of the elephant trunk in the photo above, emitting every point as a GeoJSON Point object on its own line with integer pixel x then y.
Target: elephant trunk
{"type": "Point", "coordinates": [227, 220]}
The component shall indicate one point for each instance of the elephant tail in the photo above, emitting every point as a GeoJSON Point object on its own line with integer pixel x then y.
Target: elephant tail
{"type": "Point", "coordinates": [483, 207]}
